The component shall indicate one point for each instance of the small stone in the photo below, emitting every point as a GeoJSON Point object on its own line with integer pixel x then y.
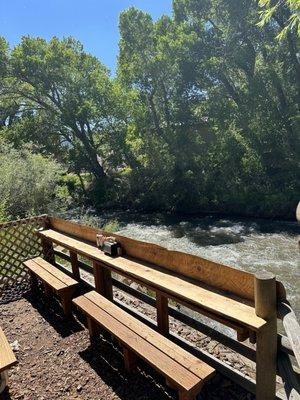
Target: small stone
{"type": "Point", "coordinates": [134, 285]}
{"type": "Point", "coordinates": [15, 345]}
{"type": "Point", "coordinates": [79, 388]}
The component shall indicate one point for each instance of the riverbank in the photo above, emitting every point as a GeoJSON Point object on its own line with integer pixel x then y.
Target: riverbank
{"type": "Point", "coordinates": [116, 210]}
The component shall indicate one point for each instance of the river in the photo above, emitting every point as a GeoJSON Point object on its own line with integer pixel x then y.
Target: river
{"type": "Point", "coordinates": [248, 244]}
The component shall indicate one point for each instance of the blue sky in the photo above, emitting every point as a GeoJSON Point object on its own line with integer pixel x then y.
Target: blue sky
{"type": "Point", "coordinates": [93, 22]}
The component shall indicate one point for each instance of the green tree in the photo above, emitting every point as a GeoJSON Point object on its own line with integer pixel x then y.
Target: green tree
{"type": "Point", "coordinates": [203, 114]}
{"type": "Point", "coordinates": [63, 84]}
{"type": "Point", "coordinates": [211, 66]}
{"type": "Point", "coordinates": [291, 11]}
{"type": "Point", "coordinates": [154, 65]}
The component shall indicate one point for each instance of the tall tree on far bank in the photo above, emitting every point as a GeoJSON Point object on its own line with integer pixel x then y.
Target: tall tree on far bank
{"type": "Point", "coordinates": [69, 88]}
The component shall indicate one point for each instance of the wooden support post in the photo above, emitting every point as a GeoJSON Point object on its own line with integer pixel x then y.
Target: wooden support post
{"type": "Point", "coordinates": [130, 359]}
{"type": "Point", "coordinates": [171, 384]}
{"type": "Point", "coordinates": [66, 300]}
{"type": "Point", "coordinates": [186, 396]}
{"type": "Point", "coordinates": [103, 281]}
{"type": "Point", "coordinates": [266, 348]}
{"type": "Point", "coordinates": [162, 313]}
{"type": "Point", "coordinates": [107, 283]}
{"type": "Point", "coordinates": [242, 335]}
{"type": "Point", "coordinates": [74, 264]}
{"type": "Point", "coordinates": [252, 337]}
{"type": "Point", "coordinates": [93, 328]}
{"type": "Point", "coordinates": [34, 282]}
{"type": "Point", "coordinates": [48, 251]}
{"type": "Point", "coordinates": [47, 290]}
{"type": "Point", "coordinates": [98, 276]}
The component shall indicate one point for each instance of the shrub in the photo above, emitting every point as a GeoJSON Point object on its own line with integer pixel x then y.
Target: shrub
{"type": "Point", "coordinates": [112, 226]}
{"type": "Point", "coordinates": [28, 182]}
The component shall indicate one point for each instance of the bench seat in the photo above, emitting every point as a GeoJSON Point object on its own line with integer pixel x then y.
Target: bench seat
{"type": "Point", "coordinates": [7, 357]}
{"type": "Point", "coordinates": [53, 278]}
{"type": "Point", "coordinates": [237, 314]}
{"type": "Point", "coordinates": [7, 360]}
{"type": "Point", "coordinates": [182, 370]}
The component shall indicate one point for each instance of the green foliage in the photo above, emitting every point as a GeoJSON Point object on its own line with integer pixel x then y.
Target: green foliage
{"type": "Point", "coordinates": [217, 99]}
{"type": "Point", "coordinates": [69, 101]}
{"type": "Point", "coordinates": [89, 219]}
{"type": "Point", "coordinates": [111, 226]}
{"type": "Point", "coordinates": [28, 183]}
{"type": "Point", "coordinates": [285, 11]}
{"type": "Point", "coordinates": [203, 114]}
{"type": "Point", "coordinates": [71, 189]}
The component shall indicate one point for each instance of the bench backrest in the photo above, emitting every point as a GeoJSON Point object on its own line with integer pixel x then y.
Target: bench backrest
{"type": "Point", "coordinates": [219, 276]}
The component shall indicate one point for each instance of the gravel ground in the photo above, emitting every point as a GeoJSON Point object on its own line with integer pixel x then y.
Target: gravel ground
{"type": "Point", "coordinates": [57, 361]}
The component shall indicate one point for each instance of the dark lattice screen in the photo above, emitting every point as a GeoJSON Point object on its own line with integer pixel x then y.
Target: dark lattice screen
{"type": "Point", "coordinates": [18, 242]}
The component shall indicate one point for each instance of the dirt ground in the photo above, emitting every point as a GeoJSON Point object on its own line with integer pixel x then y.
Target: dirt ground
{"type": "Point", "coordinates": [57, 361]}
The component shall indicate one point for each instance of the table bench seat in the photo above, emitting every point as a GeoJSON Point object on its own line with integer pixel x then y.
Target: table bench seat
{"type": "Point", "coordinates": [7, 360]}
{"type": "Point", "coordinates": [188, 291]}
{"type": "Point", "coordinates": [54, 279]}
{"type": "Point", "coordinates": [7, 357]}
{"type": "Point", "coordinates": [182, 370]}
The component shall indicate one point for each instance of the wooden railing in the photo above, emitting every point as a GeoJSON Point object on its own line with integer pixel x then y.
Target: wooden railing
{"type": "Point", "coordinates": [19, 242]}
{"type": "Point", "coordinates": [288, 373]}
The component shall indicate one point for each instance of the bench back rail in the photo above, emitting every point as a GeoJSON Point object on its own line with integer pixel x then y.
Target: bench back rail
{"type": "Point", "coordinates": [228, 279]}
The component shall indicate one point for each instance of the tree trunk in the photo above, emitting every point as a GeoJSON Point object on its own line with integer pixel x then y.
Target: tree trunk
{"type": "Point", "coordinates": [250, 135]}
{"type": "Point", "coordinates": [91, 156]}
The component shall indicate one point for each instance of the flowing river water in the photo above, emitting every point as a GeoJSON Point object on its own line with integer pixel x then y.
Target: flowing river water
{"type": "Point", "coordinates": [248, 244]}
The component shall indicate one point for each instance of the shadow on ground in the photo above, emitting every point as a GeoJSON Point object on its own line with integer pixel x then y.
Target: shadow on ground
{"type": "Point", "coordinates": [50, 309]}
{"type": "Point", "coordinates": [104, 356]}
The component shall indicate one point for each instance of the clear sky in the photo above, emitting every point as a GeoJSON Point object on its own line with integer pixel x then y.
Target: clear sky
{"type": "Point", "coordinates": [93, 22]}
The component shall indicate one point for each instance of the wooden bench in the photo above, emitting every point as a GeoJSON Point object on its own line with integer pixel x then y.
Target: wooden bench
{"type": "Point", "coordinates": [7, 360]}
{"type": "Point", "coordinates": [53, 279]}
{"type": "Point", "coordinates": [182, 370]}
{"type": "Point", "coordinates": [242, 300]}
{"type": "Point", "coordinates": [227, 310]}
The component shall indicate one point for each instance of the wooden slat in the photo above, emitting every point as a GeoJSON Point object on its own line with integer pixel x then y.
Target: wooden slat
{"type": "Point", "coordinates": [238, 282]}
{"type": "Point", "coordinates": [74, 265]}
{"type": "Point", "coordinates": [290, 377]}
{"type": "Point", "coordinates": [162, 311]}
{"type": "Point", "coordinates": [184, 358]}
{"type": "Point", "coordinates": [48, 251]}
{"type": "Point", "coordinates": [292, 328]}
{"type": "Point", "coordinates": [45, 276]}
{"type": "Point", "coordinates": [67, 280]}
{"type": "Point", "coordinates": [266, 346]}
{"type": "Point", "coordinates": [103, 282]}
{"type": "Point", "coordinates": [159, 360]}
{"type": "Point", "coordinates": [167, 281]}
{"type": "Point", "coordinates": [7, 357]}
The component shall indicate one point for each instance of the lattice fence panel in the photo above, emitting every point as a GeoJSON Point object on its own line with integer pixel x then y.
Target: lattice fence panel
{"type": "Point", "coordinates": [18, 242]}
